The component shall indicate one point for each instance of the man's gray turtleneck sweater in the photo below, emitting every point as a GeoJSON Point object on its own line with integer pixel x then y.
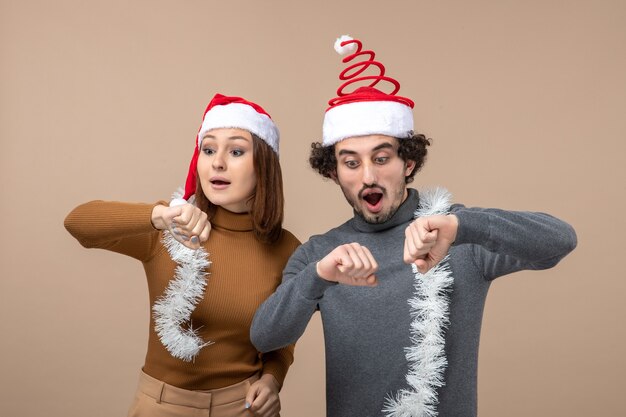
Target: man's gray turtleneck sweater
{"type": "Point", "coordinates": [366, 329]}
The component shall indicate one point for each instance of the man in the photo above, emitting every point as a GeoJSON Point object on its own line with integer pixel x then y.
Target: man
{"type": "Point", "coordinates": [402, 285]}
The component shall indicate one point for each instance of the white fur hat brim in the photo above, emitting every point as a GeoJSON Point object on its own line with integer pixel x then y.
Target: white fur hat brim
{"type": "Point", "coordinates": [241, 116]}
{"type": "Point", "coordinates": [363, 118]}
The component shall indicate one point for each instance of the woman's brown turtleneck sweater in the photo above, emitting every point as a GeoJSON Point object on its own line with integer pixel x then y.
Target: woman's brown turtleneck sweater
{"type": "Point", "coordinates": [242, 274]}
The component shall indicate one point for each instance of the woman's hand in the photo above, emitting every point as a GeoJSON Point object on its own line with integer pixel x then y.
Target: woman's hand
{"type": "Point", "coordinates": [187, 223]}
{"type": "Point", "coordinates": [262, 398]}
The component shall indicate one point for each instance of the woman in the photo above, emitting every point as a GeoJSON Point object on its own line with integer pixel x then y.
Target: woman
{"type": "Point", "coordinates": [235, 177]}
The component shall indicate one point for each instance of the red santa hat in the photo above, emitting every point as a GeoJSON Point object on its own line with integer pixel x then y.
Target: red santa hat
{"type": "Point", "coordinates": [366, 110]}
{"type": "Point", "coordinates": [230, 112]}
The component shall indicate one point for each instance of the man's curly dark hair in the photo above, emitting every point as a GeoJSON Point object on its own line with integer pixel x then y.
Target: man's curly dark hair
{"type": "Point", "coordinates": [411, 148]}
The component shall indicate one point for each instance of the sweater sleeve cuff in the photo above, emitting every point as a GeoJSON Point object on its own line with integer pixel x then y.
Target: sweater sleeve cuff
{"type": "Point", "coordinates": [141, 218]}
{"type": "Point", "coordinates": [472, 227]}
{"type": "Point", "coordinates": [277, 363]}
{"type": "Point", "coordinates": [312, 287]}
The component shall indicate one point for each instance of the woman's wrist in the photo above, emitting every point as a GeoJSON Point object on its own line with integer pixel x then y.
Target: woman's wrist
{"type": "Point", "coordinates": [157, 217]}
{"type": "Point", "coordinates": [269, 378]}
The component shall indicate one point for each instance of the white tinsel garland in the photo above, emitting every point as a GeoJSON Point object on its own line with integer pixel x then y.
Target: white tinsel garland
{"type": "Point", "coordinates": [430, 314]}
{"type": "Point", "coordinates": [172, 311]}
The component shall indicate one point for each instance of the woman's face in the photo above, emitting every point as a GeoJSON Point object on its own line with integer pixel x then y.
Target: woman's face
{"type": "Point", "coordinates": [226, 168]}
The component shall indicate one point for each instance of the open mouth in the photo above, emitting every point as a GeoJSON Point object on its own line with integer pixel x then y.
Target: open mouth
{"type": "Point", "coordinates": [373, 198]}
{"type": "Point", "coordinates": [219, 182]}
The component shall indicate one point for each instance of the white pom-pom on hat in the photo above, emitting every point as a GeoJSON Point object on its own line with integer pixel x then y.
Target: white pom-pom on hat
{"type": "Point", "coordinates": [347, 49]}
{"type": "Point", "coordinates": [178, 202]}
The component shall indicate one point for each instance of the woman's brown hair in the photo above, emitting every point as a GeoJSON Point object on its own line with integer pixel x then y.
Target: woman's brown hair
{"type": "Point", "coordinates": [267, 202]}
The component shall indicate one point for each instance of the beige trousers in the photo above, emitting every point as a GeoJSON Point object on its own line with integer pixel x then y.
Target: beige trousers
{"type": "Point", "coordinates": [155, 398]}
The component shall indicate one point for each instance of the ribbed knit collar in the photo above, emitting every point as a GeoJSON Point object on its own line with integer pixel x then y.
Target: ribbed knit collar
{"type": "Point", "coordinates": [236, 222]}
{"type": "Point", "coordinates": [404, 214]}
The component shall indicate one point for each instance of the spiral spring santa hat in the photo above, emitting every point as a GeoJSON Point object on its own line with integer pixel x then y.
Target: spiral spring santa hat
{"type": "Point", "coordinates": [366, 110]}
{"type": "Point", "coordinates": [172, 311]}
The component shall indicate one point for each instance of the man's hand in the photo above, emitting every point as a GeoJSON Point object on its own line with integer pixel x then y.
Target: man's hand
{"type": "Point", "coordinates": [262, 398]}
{"type": "Point", "coordinates": [428, 240]}
{"type": "Point", "coordinates": [187, 223]}
{"type": "Point", "coordinates": [350, 264]}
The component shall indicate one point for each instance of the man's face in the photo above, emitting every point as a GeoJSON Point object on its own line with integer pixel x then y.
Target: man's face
{"type": "Point", "coordinates": [371, 175]}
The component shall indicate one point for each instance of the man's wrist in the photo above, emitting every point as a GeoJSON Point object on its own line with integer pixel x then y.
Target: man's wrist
{"type": "Point", "coordinates": [319, 274]}
{"type": "Point", "coordinates": [455, 226]}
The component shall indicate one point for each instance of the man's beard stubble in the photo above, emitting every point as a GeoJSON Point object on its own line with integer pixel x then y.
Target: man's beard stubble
{"type": "Point", "coordinates": [380, 217]}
